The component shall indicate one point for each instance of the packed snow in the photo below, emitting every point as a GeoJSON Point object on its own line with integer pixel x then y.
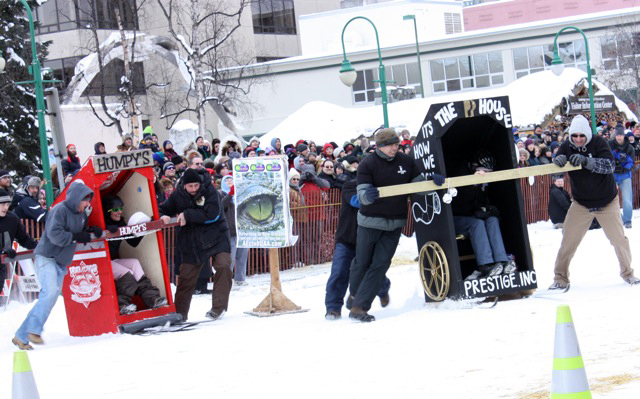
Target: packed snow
{"type": "Point", "coordinates": [413, 350]}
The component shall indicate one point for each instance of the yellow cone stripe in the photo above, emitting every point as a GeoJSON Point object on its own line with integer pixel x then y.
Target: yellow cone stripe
{"type": "Point", "coordinates": [563, 314]}
{"type": "Point", "coordinates": [575, 395]}
{"type": "Point", "coordinates": [21, 362]}
{"type": "Point", "coordinates": [568, 363]}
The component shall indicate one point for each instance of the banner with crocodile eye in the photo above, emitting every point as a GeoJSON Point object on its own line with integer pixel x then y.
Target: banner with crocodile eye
{"type": "Point", "coordinates": [262, 202]}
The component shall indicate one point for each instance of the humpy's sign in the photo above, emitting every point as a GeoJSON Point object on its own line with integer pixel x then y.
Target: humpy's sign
{"type": "Point", "coordinates": [122, 161]}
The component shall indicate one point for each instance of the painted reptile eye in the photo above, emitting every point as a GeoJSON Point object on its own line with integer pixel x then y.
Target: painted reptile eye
{"type": "Point", "coordinates": [259, 209]}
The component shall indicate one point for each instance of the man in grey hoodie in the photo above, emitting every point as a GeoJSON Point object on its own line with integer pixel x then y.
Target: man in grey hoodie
{"type": "Point", "coordinates": [65, 228]}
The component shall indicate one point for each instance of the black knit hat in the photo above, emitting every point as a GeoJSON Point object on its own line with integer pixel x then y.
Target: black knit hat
{"type": "Point", "coordinates": [4, 173]}
{"type": "Point", "coordinates": [301, 147]}
{"type": "Point", "coordinates": [177, 159]}
{"type": "Point", "coordinates": [191, 176]}
{"type": "Point", "coordinates": [386, 137]}
{"type": "Point", "coordinates": [4, 196]}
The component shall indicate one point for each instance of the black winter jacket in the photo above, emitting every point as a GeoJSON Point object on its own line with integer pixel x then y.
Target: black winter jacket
{"type": "Point", "coordinates": [206, 232]}
{"type": "Point", "coordinates": [11, 224]}
{"type": "Point", "coordinates": [346, 232]}
{"type": "Point", "coordinates": [70, 165]}
{"type": "Point", "coordinates": [597, 188]}
{"type": "Point", "coordinates": [114, 245]}
{"type": "Point", "coordinates": [559, 203]}
{"type": "Point", "coordinates": [30, 208]}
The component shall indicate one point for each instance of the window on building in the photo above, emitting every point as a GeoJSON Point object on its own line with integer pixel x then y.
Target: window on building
{"type": "Point", "coordinates": [274, 16]}
{"type": "Point", "coordinates": [63, 70]}
{"type": "Point", "coordinates": [260, 59]}
{"type": "Point", "coordinates": [61, 15]}
{"type": "Point", "coordinates": [467, 72]}
{"type": "Point", "coordinates": [400, 75]}
{"type": "Point", "coordinates": [111, 76]}
{"type": "Point", "coordinates": [452, 23]}
{"type": "Point", "coordinates": [534, 59]}
{"type": "Point", "coordinates": [618, 51]}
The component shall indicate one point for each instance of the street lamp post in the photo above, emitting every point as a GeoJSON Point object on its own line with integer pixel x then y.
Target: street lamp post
{"type": "Point", "coordinates": [415, 27]}
{"type": "Point", "coordinates": [36, 71]}
{"type": "Point", "coordinates": [348, 74]}
{"type": "Point", "coordinates": [557, 66]}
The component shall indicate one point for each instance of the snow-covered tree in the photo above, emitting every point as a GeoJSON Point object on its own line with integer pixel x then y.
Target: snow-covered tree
{"type": "Point", "coordinates": [19, 140]}
{"type": "Point", "coordinates": [217, 63]}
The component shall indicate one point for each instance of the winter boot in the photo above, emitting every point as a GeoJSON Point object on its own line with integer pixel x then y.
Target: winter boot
{"type": "Point", "coordinates": [491, 269]}
{"type": "Point", "coordinates": [128, 309]}
{"type": "Point", "coordinates": [349, 303]}
{"type": "Point", "coordinates": [35, 338]}
{"type": "Point", "coordinates": [159, 302]}
{"type": "Point", "coordinates": [633, 280]}
{"type": "Point", "coordinates": [332, 315]}
{"type": "Point", "coordinates": [474, 276]}
{"type": "Point", "coordinates": [509, 267]}
{"type": "Point", "coordinates": [384, 300]}
{"type": "Point", "coordinates": [361, 315]}
{"type": "Point", "coordinates": [558, 286]}
{"type": "Point", "coordinates": [21, 345]}
{"type": "Point", "coordinates": [213, 315]}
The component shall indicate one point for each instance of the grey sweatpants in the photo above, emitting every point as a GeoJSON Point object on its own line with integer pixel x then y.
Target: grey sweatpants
{"type": "Point", "coordinates": [575, 227]}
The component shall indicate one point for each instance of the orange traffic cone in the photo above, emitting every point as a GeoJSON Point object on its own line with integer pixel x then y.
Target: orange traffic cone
{"type": "Point", "coordinates": [24, 384]}
{"type": "Point", "coordinates": [569, 379]}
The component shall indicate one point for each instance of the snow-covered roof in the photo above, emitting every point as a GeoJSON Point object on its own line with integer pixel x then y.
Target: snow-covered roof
{"type": "Point", "coordinates": [532, 99]}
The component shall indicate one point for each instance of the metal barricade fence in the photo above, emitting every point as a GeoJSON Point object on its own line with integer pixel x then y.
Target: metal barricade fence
{"type": "Point", "coordinates": [315, 225]}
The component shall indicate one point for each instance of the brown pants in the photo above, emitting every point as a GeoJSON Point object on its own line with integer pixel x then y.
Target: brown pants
{"type": "Point", "coordinates": [576, 225]}
{"type": "Point", "coordinates": [221, 284]}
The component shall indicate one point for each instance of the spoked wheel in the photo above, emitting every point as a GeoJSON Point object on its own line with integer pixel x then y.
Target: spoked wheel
{"type": "Point", "coordinates": [434, 271]}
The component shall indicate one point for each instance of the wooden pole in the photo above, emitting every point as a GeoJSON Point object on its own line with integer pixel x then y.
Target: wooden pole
{"type": "Point", "coordinates": [275, 302]}
{"type": "Point", "coordinates": [489, 177]}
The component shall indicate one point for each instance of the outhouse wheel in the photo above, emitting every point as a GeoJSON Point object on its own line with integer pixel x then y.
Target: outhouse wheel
{"type": "Point", "coordinates": [434, 271]}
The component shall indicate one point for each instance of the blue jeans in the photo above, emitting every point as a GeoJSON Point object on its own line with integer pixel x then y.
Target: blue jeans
{"type": "Point", "coordinates": [485, 237]}
{"type": "Point", "coordinates": [627, 200]}
{"type": "Point", "coordinates": [51, 277]}
{"type": "Point", "coordinates": [339, 278]}
{"type": "Point", "coordinates": [239, 257]}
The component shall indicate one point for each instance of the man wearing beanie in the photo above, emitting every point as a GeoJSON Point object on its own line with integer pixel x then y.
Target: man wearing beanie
{"type": "Point", "coordinates": [65, 228]}
{"type": "Point", "coordinates": [380, 220]}
{"type": "Point", "coordinates": [29, 207]}
{"type": "Point", "coordinates": [624, 157]}
{"type": "Point", "coordinates": [594, 195]}
{"type": "Point", "coordinates": [12, 229]}
{"type": "Point", "coordinates": [5, 180]}
{"type": "Point", "coordinates": [203, 234]}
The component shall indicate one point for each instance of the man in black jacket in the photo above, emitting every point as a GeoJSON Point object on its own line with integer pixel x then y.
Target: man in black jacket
{"type": "Point", "coordinates": [71, 164]}
{"type": "Point", "coordinates": [380, 221]}
{"type": "Point", "coordinates": [10, 229]}
{"type": "Point", "coordinates": [203, 234]}
{"type": "Point", "coordinates": [559, 201]}
{"type": "Point", "coordinates": [344, 253]}
{"type": "Point", "coordinates": [594, 195]}
{"type": "Point", "coordinates": [29, 207]}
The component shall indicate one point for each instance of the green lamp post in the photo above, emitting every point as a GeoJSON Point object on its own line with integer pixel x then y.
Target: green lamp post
{"type": "Point", "coordinates": [415, 28]}
{"type": "Point", "coordinates": [557, 66]}
{"type": "Point", "coordinates": [348, 75]}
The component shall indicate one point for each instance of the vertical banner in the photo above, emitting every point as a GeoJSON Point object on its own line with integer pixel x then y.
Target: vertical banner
{"type": "Point", "coordinates": [263, 219]}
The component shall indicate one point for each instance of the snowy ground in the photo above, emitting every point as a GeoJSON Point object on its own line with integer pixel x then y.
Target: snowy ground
{"type": "Point", "coordinates": [412, 350]}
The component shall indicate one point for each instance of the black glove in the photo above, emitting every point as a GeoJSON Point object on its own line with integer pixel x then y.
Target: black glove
{"type": "Point", "coordinates": [342, 178]}
{"type": "Point", "coordinates": [112, 228]}
{"type": "Point", "coordinates": [82, 237]}
{"type": "Point", "coordinates": [97, 231]}
{"type": "Point", "coordinates": [481, 214]}
{"type": "Point", "coordinates": [371, 194]}
{"type": "Point", "coordinates": [560, 160]}
{"type": "Point", "coordinates": [11, 253]}
{"type": "Point", "coordinates": [493, 211]}
{"type": "Point", "coordinates": [437, 179]}
{"type": "Point", "coordinates": [578, 160]}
